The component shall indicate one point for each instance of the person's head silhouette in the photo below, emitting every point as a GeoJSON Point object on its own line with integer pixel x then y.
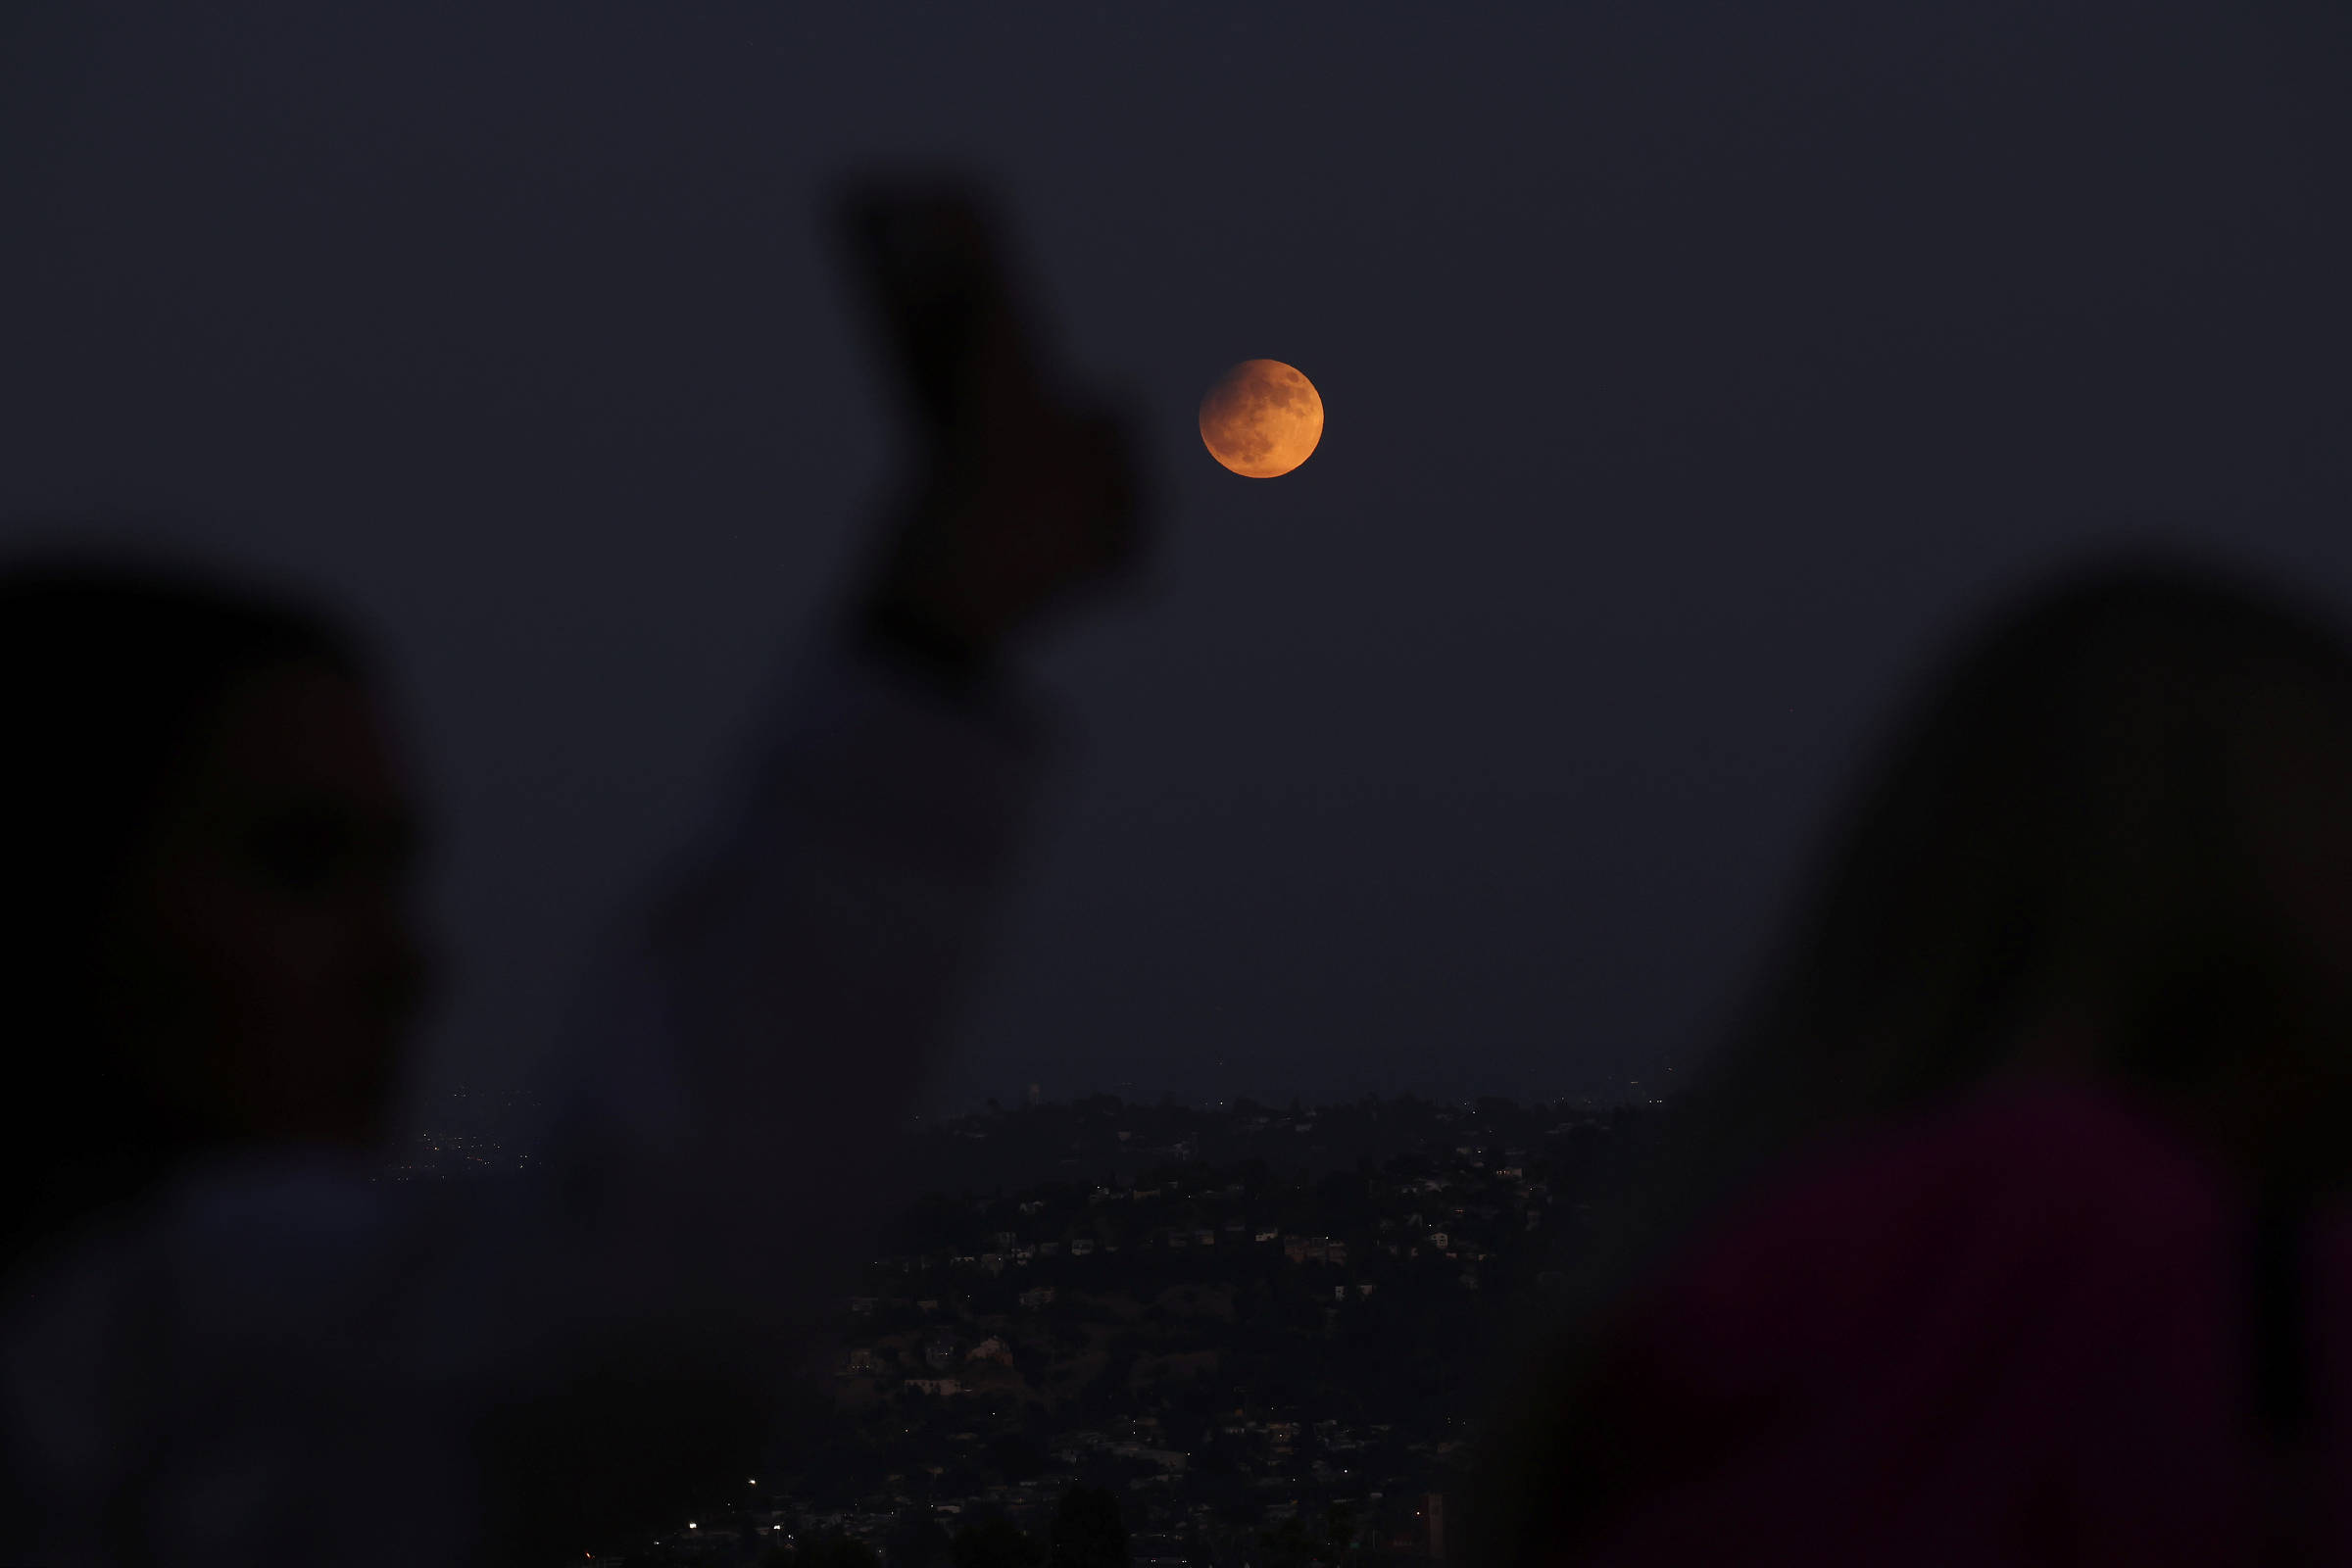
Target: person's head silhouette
{"type": "Point", "coordinates": [2114, 838]}
{"type": "Point", "coordinates": [2113, 842]}
{"type": "Point", "coordinates": [205, 857]}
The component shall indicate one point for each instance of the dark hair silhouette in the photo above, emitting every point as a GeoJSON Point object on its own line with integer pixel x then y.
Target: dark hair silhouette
{"type": "Point", "coordinates": [109, 676]}
{"type": "Point", "coordinates": [2065, 821]}
{"type": "Point", "coordinates": [2064, 824]}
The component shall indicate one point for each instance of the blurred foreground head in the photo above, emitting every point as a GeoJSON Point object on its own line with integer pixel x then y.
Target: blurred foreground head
{"type": "Point", "coordinates": [205, 851]}
{"type": "Point", "coordinates": [2110, 839]}
{"type": "Point", "coordinates": [2114, 837]}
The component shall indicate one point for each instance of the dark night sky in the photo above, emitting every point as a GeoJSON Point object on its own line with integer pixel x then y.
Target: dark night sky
{"type": "Point", "coordinates": [1692, 369]}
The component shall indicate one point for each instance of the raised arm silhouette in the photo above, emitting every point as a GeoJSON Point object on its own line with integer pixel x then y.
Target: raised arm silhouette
{"type": "Point", "coordinates": [223, 1343]}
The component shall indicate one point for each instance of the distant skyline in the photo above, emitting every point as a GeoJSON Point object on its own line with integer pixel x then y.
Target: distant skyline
{"type": "Point", "coordinates": [466, 1111]}
{"type": "Point", "coordinates": [1693, 372]}
{"type": "Point", "coordinates": [1628, 1091]}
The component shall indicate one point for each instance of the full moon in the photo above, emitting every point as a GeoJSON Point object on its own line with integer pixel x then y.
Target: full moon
{"type": "Point", "coordinates": [1262, 418]}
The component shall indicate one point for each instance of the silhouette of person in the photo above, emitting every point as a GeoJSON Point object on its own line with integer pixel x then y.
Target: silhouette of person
{"type": "Point", "coordinates": [2001, 1233]}
{"type": "Point", "coordinates": [220, 1341]}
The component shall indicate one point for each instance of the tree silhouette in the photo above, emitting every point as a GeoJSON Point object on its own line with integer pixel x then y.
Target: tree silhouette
{"type": "Point", "coordinates": [1289, 1544]}
{"type": "Point", "coordinates": [925, 1544]}
{"type": "Point", "coordinates": [1087, 1530]}
{"type": "Point", "coordinates": [1018, 1456]}
{"type": "Point", "coordinates": [835, 1551]}
{"type": "Point", "coordinates": [995, 1544]}
{"type": "Point", "coordinates": [1342, 1529]}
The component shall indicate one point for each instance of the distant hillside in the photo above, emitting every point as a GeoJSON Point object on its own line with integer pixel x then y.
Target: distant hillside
{"type": "Point", "coordinates": [1106, 1139]}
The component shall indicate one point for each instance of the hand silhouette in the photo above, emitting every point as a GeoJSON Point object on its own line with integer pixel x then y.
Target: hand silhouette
{"type": "Point", "coordinates": [1027, 495]}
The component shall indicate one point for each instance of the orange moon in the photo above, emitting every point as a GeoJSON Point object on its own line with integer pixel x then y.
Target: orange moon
{"type": "Point", "coordinates": [1262, 420]}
